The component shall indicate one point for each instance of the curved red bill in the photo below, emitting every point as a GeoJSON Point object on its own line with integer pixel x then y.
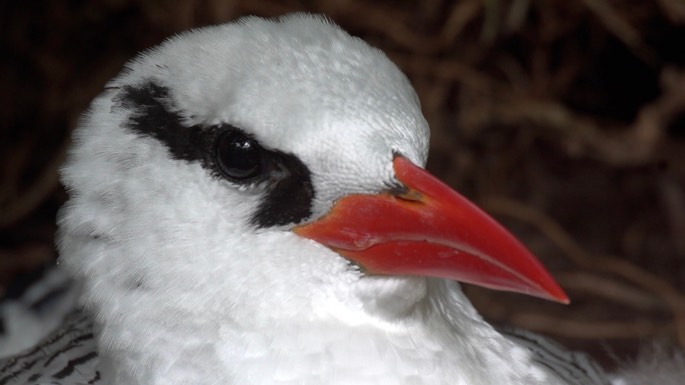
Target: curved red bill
{"type": "Point", "coordinates": [428, 229]}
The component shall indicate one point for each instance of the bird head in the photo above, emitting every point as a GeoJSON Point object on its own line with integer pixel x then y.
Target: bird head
{"type": "Point", "coordinates": [271, 163]}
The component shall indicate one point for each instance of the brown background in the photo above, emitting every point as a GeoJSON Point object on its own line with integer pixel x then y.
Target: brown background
{"type": "Point", "coordinates": [565, 119]}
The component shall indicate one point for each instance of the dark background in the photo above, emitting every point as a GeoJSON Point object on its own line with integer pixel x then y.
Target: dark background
{"type": "Point", "coordinates": [564, 119]}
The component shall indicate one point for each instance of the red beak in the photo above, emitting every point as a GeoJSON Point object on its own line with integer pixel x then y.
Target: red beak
{"type": "Point", "coordinates": [428, 229]}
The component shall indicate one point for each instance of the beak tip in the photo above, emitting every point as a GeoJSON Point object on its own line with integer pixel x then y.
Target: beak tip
{"type": "Point", "coordinates": [564, 300]}
{"type": "Point", "coordinates": [556, 294]}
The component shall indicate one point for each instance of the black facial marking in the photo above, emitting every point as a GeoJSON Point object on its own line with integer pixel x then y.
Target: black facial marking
{"type": "Point", "coordinates": [397, 189]}
{"type": "Point", "coordinates": [287, 181]}
{"type": "Point", "coordinates": [290, 198]}
{"type": "Point", "coordinates": [153, 114]}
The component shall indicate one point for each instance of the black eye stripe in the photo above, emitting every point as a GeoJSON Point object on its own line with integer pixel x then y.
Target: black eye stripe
{"type": "Point", "coordinates": [288, 190]}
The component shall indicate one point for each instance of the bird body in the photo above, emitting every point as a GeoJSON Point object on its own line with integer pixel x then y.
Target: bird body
{"type": "Point", "coordinates": [204, 183]}
{"type": "Point", "coordinates": [431, 346]}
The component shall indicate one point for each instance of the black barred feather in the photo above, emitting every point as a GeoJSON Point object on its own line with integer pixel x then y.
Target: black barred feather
{"type": "Point", "coordinates": [574, 367]}
{"type": "Point", "coordinates": [67, 357]}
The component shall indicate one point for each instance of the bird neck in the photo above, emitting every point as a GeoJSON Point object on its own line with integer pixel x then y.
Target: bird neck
{"type": "Point", "coordinates": [425, 323]}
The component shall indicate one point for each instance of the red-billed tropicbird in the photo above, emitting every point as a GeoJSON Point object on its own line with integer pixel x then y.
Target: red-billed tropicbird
{"type": "Point", "coordinates": [248, 206]}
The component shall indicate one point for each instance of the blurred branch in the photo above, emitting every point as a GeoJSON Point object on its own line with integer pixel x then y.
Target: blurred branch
{"type": "Point", "coordinates": [614, 22]}
{"type": "Point", "coordinates": [635, 145]}
{"type": "Point", "coordinates": [674, 10]}
{"type": "Point", "coordinates": [21, 202]}
{"type": "Point", "coordinates": [673, 202]}
{"type": "Point", "coordinates": [609, 288]}
{"type": "Point", "coordinates": [554, 232]}
{"type": "Point", "coordinates": [562, 326]}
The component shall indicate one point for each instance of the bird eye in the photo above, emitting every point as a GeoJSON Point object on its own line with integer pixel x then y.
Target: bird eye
{"type": "Point", "coordinates": [238, 156]}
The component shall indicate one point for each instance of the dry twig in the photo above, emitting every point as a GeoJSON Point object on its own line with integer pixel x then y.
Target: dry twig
{"type": "Point", "coordinates": [554, 232]}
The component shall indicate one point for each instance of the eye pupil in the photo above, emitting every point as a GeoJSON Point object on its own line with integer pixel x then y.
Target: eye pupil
{"type": "Point", "coordinates": [238, 156]}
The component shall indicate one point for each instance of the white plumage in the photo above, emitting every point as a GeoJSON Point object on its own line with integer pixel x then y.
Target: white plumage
{"type": "Point", "coordinates": [195, 278]}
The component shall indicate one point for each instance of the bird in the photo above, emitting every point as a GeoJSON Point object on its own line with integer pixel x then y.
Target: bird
{"type": "Point", "coordinates": [248, 204]}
